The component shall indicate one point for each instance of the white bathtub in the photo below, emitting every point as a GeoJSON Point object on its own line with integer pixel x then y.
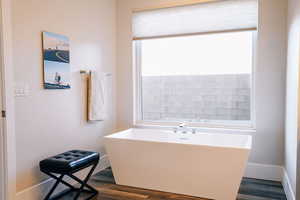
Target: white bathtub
{"type": "Point", "coordinates": [203, 165]}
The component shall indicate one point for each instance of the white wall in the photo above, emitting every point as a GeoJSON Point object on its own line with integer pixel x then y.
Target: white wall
{"type": "Point", "coordinates": [292, 92]}
{"type": "Point", "coordinates": [270, 80]}
{"type": "Point", "coordinates": [52, 121]}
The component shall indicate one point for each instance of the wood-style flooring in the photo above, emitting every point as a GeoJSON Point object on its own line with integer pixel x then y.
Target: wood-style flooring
{"type": "Point", "coordinates": [250, 189]}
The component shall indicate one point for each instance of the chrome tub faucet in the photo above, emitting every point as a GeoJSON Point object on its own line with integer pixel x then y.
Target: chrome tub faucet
{"type": "Point", "coordinates": [184, 128]}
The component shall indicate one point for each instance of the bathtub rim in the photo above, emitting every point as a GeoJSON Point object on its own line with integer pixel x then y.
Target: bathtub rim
{"type": "Point", "coordinates": [247, 146]}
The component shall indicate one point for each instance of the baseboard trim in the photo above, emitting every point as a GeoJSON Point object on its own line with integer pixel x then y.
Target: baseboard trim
{"type": "Point", "coordinates": [265, 172]}
{"type": "Point", "coordinates": [287, 186]}
{"type": "Point", "coordinates": [38, 191]}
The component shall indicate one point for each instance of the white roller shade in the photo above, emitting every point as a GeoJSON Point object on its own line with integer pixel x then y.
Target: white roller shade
{"type": "Point", "coordinates": [219, 16]}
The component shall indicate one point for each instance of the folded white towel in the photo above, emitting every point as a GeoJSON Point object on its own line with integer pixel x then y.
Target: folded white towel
{"type": "Point", "coordinates": [96, 97]}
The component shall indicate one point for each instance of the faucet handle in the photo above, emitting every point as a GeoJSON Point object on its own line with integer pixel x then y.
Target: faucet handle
{"type": "Point", "coordinates": [175, 130]}
{"type": "Point", "coordinates": [181, 125]}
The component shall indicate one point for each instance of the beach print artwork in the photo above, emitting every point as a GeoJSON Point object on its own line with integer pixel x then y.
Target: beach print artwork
{"type": "Point", "coordinates": [56, 61]}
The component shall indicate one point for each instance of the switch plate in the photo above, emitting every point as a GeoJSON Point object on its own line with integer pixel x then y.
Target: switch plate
{"type": "Point", "coordinates": [21, 89]}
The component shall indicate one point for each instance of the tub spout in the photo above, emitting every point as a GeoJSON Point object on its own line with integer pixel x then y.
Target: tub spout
{"type": "Point", "coordinates": [182, 128]}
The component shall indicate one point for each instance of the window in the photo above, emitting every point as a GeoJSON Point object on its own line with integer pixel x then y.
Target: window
{"type": "Point", "coordinates": [205, 78]}
{"type": "Point", "coordinates": [202, 76]}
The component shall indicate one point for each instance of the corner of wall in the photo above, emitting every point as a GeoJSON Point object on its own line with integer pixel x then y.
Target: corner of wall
{"type": "Point", "coordinates": [287, 186]}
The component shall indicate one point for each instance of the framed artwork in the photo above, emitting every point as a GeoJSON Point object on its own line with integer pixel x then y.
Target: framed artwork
{"type": "Point", "coordinates": [56, 56]}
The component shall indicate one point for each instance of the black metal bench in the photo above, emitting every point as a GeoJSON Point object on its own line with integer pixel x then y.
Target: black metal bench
{"type": "Point", "coordinates": [66, 164]}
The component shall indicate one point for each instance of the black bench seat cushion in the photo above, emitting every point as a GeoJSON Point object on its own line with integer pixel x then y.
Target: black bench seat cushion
{"type": "Point", "coordinates": [69, 162]}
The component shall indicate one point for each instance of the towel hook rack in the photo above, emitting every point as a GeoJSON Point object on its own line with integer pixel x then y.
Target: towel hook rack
{"type": "Point", "coordinates": [89, 71]}
{"type": "Point", "coordinates": [85, 71]}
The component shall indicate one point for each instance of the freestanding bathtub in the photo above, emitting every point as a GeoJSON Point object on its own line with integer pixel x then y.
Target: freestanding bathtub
{"type": "Point", "coordinates": [202, 165]}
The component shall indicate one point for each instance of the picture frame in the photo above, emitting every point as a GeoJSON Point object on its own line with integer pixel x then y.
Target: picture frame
{"type": "Point", "coordinates": [56, 60]}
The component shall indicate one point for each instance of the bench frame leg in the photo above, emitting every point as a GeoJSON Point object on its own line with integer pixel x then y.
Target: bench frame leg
{"type": "Point", "coordinates": [83, 185]}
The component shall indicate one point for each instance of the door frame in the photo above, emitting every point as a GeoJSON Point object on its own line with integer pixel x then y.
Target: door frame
{"type": "Point", "coordinates": [2, 147]}
{"type": "Point", "coordinates": [7, 138]}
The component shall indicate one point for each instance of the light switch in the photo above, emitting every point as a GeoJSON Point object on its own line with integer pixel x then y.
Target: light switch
{"type": "Point", "coordinates": [21, 89]}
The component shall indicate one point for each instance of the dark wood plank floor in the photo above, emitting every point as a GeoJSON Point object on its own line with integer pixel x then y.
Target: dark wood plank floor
{"type": "Point", "coordinates": [250, 189]}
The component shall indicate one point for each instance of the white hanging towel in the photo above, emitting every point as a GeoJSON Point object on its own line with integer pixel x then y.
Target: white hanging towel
{"type": "Point", "coordinates": [96, 96]}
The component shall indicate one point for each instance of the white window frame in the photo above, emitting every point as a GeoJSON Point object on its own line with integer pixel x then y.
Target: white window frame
{"type": "Point", "coordinates": [139, 122]}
